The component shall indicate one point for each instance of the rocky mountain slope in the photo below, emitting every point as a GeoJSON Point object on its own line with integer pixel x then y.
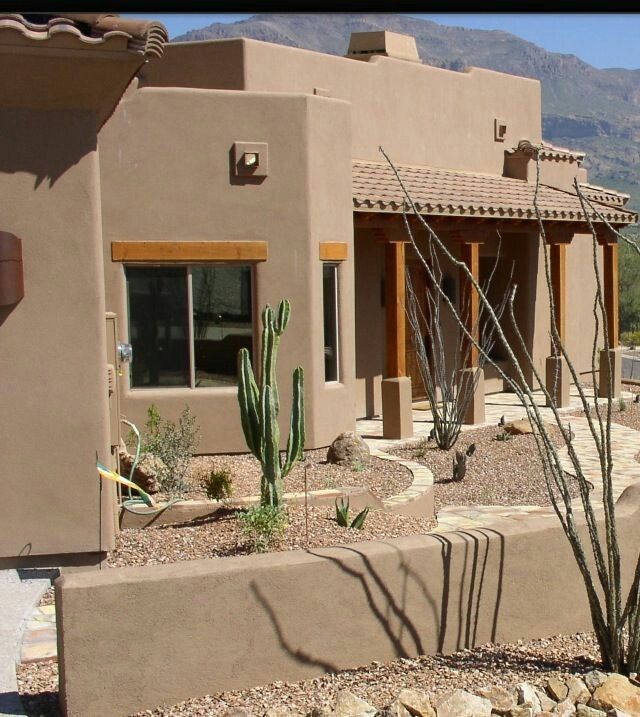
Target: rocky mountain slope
{"type": "Point", "coordinates": [597, 111]}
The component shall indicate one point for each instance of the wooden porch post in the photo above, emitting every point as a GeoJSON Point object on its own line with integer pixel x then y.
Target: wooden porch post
{"type": "Point", "coordinates": [558, 261]}
{"type": "Point", "coordinates": [395, 309]}
{"type": "Point", "coordinates": [557, 372]}
{"type": "Point", "coordinates": [469, 314]}
{"type": "Point", "coordinates": [610, 379]}
{"type": "Point", "coordinates": [397, 415]}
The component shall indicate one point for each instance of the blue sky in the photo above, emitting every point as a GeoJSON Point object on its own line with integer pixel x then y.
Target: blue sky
{"type": "Point", "coordinates": [602, 40]}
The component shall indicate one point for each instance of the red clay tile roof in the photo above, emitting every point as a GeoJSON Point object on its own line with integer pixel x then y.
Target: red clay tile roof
{"type": "Point", "coordinates": [446, 192]}
{"type": "Point", "coordinates": [604, 195]}
{"type": "Point", "coordinates": [109, 32]}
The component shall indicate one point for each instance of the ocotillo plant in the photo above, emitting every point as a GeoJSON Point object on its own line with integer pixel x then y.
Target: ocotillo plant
{"type": "Point", "coordinates": [260, 406]}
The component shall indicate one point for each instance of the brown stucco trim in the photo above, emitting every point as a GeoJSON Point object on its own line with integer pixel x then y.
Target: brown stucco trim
{"type": "Point", "coordinates": [334, 251]}
{"type": "Point", "coordinates": [189, 251]}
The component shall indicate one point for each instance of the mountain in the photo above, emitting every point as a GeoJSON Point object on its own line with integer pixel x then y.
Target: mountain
{"type": "Point", "coordinates": [585, 108]}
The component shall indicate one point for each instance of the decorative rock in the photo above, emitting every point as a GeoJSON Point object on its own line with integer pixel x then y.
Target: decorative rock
{"type": "Point", "coordinates": [461, 703]}
{"type": "Point", "coordinates": [396, 709]}
{"type": "Point", "coordinates": [527, 694]}
{"type": "Point", "coordinates": [417, 703]}
{"type": "Point", "coordinates": [618, 713]}
{"type": "Point", "coordinates": [594, 679]}
{"type": "Point", "coordinates": [518, 428]}
{"type": "Point", "coordinates": [566, 708]}
{"type": "Point", "coordinates": [502, 701]}
{"type": "Point", "coordinates": [349, 449]}
{"type": "Point", "coordinates": [617, 693]}
{"type": "Point", "coordinates": [524, 710]}
{"type": "Point", "coordinates": [557, 689]}
{"type": "Point", "coordinates": [578, 691]}
{"type": "Point", "coordinates": [348, 705]}
{"type": "Point", "coordinates": [280, 712]}
{"type": "Point", "coordinates": [546, 703]}
{"type": "Point", "coordinates": [148, 471]}
{"type": "Point", "coordinates": [584, 711]}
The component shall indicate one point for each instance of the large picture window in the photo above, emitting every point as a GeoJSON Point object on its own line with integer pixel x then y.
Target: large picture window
{"type": "Point", "coordinates": [187, 324]}
{"type": "Point", "coordinates": [330, 307]}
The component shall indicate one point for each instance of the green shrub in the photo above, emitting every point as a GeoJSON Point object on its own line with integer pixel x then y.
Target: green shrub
{"type": "Point", "coordinates": [173, 443]}
{"type": "Point", "coordinates": [263, 524]}
{"type": "Point", "coordinates": [218, 484]}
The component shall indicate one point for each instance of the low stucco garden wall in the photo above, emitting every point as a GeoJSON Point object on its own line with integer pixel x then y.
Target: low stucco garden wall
{"type": "Point", "coordinates": [134, 638]}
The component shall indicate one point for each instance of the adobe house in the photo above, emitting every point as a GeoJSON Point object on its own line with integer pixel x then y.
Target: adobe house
{"type": "Point", "coordinates": [237, 172]}
{"type": "Point", "coordinates": [61, 80]}
{"type": "Point", "coordinates": [231, 174]}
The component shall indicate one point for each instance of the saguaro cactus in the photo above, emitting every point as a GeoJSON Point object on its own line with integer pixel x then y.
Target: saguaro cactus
{"type": "Point", "coordinates": [260, 406]}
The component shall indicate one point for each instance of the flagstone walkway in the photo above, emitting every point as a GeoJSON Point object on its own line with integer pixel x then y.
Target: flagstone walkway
{"type": "Point", "coordinates": [625, 446]}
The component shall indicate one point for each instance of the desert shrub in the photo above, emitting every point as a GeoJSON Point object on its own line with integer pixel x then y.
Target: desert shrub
{"type": "Point", "coordinates": [218, 484]}
{"type": "Point", "coordinates": [262, 524]}
{"type": "Point", "coordinates": [173, 443]}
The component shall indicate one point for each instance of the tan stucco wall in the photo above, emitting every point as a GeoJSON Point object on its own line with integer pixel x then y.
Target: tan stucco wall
{"type": "Point", "coordinates": [420, 114]}
{"type": "Point", "coordinates": [166, 177]}
{"type": "Point", "coordinates": [54, 420]}
{"type": "Point", "coordinates": [292, 616]}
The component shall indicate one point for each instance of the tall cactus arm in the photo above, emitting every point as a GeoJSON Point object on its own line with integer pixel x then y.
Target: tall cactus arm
{"type": "Point", "coordinates": [271, 455]}
{"type": "Point", "coordinates": [284, 314]}
{"type": "Point", "coordinates": [295, 443]}
{"type": "Point", "coordinates": [248, 398]}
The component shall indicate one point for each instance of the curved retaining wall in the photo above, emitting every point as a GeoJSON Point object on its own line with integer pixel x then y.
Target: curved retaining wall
{"type": "Point", "coordinates": [134, 638]}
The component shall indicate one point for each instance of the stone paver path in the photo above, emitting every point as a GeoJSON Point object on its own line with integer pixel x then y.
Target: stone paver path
{"type": "Point", "coordinates": [625, 446]}
{"type": "Point", "coordinates": [19, 594]}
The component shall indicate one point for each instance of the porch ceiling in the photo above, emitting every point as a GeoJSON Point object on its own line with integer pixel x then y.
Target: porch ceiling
{"type": "Point", "coordinates": [443, 192]}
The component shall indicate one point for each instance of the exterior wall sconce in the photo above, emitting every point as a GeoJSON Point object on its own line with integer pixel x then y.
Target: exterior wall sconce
{"type": "Point", "coordinates": [250, 159]}
{"type": "Point", "coordinates": [11, 270]}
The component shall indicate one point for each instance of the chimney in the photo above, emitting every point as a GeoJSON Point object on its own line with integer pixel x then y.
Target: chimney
{"type": "Point", "coordinates": [364, 45]}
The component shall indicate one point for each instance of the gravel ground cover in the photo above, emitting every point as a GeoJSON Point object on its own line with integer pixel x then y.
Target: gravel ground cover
{"type": "Point", "coordinates": [222, 536]}
{"type": "Point", "coordinates": [498, 473]}
{"type": "Point", "coordinates": [623, 411]}
{"type": "Point", "coordinates": [505, 665]}
{"type": "Point", "coordinates": [383, 478]}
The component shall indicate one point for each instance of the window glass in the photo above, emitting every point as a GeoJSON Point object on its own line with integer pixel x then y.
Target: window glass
{"type": "Point", "coordinates": [330, 306]}
{"type": "Point", "coordinates": [222, 322]}
{"type": "Point", "coordinates": [158, 326]}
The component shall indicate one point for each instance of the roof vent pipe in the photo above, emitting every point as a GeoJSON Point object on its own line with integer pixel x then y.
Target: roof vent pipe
{"type": "Point", "coordinates": [364, 45]}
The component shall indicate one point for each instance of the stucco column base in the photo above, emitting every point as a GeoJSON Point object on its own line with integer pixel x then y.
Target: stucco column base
{"type": "Point", "coordinates": [615, 356]}
{"type": "Point", "coordinates": [558, 381]}
{"type": "Point", "coordinates": [397, 416]}
{"type": "Point", "coordinates": [475, 410]}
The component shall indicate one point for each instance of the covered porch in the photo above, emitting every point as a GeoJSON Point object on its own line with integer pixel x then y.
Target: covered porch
{"type": "Point", "coordinates": [489, 223]}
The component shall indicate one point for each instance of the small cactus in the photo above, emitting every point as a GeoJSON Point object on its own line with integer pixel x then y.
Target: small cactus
{"type": "Point", "coordinates": [260, 406]}
{"type": "Point", "coordinates": [471, 449]}
{"type": "Point", "coordinates": [459, 466]}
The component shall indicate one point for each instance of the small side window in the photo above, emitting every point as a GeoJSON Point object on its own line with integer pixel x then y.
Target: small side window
{"type": "Point", "coordinates": [331, 318]}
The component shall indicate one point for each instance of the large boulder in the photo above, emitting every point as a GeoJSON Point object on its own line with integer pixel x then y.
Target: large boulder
{"type": "Point", "coordinates": [521, 427]}
{"type": "Point", "coordinates": [148, 472]}
{"type": "Point", "coordinates": [349, 449]}
{"type": "Point", "coordinates": [617, 693]}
